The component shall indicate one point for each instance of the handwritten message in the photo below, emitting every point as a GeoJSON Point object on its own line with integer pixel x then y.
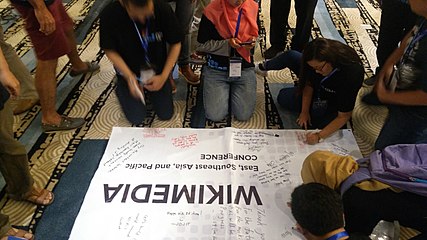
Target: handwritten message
{"type": "Point", "coordinates": [133, 226]}
{"type": "Point", "coordinates": [123, 154]}
{"type": "Point", "coordinates": [154, 132]}
{"type": "Point", "coordinates": [277, 171]}
{"type": "Point", "coordinates": [253, 140]}
{"type": "Point", "coordinates": [184, 218]}
{"type": "Point", "coordinates": [238, 222]}
{"type": "Point", "coordinates": [185, 141]}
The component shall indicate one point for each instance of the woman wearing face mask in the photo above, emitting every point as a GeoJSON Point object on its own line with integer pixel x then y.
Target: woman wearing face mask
{"type": "Point", "coordinates": [227, 33]}
{"type": "Point", "coordinates": [330, 76]}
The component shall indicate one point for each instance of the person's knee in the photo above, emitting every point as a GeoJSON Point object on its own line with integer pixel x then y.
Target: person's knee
{"type": "Point", "coordinates": [135, 119]}
{"type": "Point", "coordinates": [46, 68]}
{"type": "Point", "coordinates": [243, 112]}
{"type": "Point", "coordinates": [243, 116]}
{"type": "Point", "coordinates": [214, 115]}
{"type": "Point", "coordinates": [167, 115]}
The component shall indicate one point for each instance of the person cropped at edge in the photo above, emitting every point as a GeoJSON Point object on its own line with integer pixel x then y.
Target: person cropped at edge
{"type": "Point", "coordinates": [134, 35]}
{"type": "Point", "coordinates": [227, 33]}
{"type": "Point", "coordinates": [319, 213]}
{"type": "Point", "coordinates": [13, 157]}
{"type": "Point", "coordinates": [369, 201]}
{"type": "Point", "coordinates": [407, 103]}
{"type": "Point", "coordinates": [51, 31]}
{"type": "Point", "coordinates": [330, 76]}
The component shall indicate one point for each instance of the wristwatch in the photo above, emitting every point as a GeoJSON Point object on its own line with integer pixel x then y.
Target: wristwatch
{"type": "Point", "coordinates": [319, 137]}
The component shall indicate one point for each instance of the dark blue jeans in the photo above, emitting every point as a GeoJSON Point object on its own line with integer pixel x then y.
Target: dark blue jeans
{"type": "Point", "coordinates": [135, 111]}
{"type": "Point", "coordinates": [289, 59]}
{"type": "Point", "coordinates": [290, 99]}
{"type": "Point", "coordinates": [402, 127]}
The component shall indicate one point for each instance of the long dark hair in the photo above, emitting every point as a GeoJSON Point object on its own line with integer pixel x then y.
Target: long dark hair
{"type": "Point", "coordinates": [334, 52]}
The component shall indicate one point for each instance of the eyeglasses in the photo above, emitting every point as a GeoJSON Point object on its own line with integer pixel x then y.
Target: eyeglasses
{"type": "Point", "coordinates": [320, 68]}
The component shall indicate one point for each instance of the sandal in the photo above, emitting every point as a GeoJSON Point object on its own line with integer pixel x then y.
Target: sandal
{"type": "Point", "coordinates": [40, 197]}
{"type": "Point", "coordinates": [91, 67]}
{"type": "Point", "coordinates": [15, 234]}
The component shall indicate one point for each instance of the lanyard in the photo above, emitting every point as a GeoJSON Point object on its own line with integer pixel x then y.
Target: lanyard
{"type": "Point", "coordinates": [238, 23]}
{"type": "Point", "coordinates": [328, 76]}
{"type": "Point", "coordinates": [420, 34]}
{"type": "Point", "coordinates": [338, 236]}
{"type": "Point", "coordinates": [144, 41]}
{"type": "Point", "coordinates": [233, 51]}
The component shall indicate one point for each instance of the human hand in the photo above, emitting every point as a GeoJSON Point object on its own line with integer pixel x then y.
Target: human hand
{"type": "Point", "coordinates": [155, 83]}
{"type": "Point", "coordinates": [234, 42]}
{"type": "Point", "coordinates": [312, 138]}
{"type": "Point", "coordinates": [304, 120]}
{"type": "Point", "coordinates": [46, 20]}
{"type": "Point", "coordinates": [9, 81]}
{"type": "Point", "coordinates": [383, 79]}
{"type": "Point", "coordinates": [134, 88]}
{"type": "Point", "coordinates": [249, 44]}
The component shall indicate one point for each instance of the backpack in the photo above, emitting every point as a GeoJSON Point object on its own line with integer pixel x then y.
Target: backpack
{"type": "Point", "coordinates": [403, 166]}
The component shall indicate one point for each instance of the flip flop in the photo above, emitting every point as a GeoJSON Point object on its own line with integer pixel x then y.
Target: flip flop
{"type": "Point", "coordinates": [15, 234]}
{"type": "Point", "coordinates": [91, 67]}
{"type": "Point", "coordinates": [39, 198]}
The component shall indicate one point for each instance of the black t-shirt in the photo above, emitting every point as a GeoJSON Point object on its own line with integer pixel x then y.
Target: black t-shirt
{"type": "Point", "coordinates": [341, 88]}
{"type": "Point", "coordinates": [414, 74]}
{"type": "Point", "coordinates": [207, 31]}
{"type": "Point", "coordinates": [118, 33]}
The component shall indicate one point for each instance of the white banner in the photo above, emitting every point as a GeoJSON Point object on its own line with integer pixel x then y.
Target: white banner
{"type": "Point", "coordinates": [198, 184]}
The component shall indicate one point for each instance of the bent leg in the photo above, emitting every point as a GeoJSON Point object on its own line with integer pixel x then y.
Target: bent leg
{"type": "Point", "coordinates": [289, 59]}
{"type": "Point", "coordinates": [243, 95]}
{"type": "Point", "coordinates": [134, 110]}
{"type": "Point", "coordinates": [216, 92]}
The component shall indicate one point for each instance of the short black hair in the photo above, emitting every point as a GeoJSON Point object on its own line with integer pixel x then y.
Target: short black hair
{"type": "Point", "coordinates": [317, 208]}
{"type": "Point", "coordinates": [138, 3]}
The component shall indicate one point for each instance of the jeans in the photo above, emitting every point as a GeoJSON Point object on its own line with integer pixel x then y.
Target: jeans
{"type": "Point", "coordinates": [393, 132]}
{"type": "Point", "coordinates": [289, 59]}
{"type": "Point", "coordinates": [290, 99]}
{"type": "Point", "coordinates": [220, 90]}
{"type": "Point", "coordinates": [135, 111]}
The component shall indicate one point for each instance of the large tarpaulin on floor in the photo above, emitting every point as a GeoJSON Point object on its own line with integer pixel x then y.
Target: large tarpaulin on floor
{"type": "Point", "coordinates": [198, 183]}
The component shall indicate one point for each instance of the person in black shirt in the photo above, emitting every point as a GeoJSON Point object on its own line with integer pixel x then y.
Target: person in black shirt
{"type": "Point", "coordinates": [135, 35]}
{"type": "Point", "coordinates": [330, 76]}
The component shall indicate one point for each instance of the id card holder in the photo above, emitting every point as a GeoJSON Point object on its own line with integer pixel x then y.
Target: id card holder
{"type": "Point", "coordinates": [146, 72]}
{"type": "Point", "coordinates": [235, 68]}
{"type": "Point", "coordinates": [319, 107]}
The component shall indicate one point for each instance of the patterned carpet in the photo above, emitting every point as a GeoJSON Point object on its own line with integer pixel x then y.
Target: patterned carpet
{"type": "Point", "coordinates": [354, 22]}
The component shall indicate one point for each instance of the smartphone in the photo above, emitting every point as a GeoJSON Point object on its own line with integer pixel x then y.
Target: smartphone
{"type": "Point", "coordinates": [247, 43]}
